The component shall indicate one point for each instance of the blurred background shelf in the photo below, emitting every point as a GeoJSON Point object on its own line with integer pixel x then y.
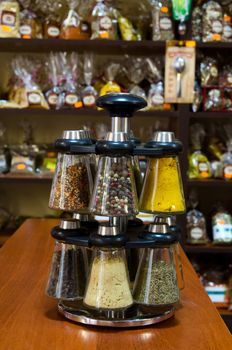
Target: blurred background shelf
{"type": "Point", "coordinates": [209, 248]}
{"type": "Point", "coordinates": [209, 183]}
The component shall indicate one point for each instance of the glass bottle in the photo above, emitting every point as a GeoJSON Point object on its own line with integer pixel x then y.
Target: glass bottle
{"type": "Point", "coordinates": [108, 285]}
{"type": "Point", "coordinates": [162, 188]}
{"type": "Point", "coordinates": [72, 183]}
{"type": "Point", "coordinates": [114, 191]}
{"type": "Point", "coordinates": [67, 277]}
{"type": "Point", "coordinates": [156, 281]}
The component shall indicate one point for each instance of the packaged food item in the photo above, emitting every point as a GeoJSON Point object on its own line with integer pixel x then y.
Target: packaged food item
{"type": "Point", "coordinates": [51, 28]}
{"type": "Point", "coordinates": [102, 18]}
{"type": "Point", "coordinates": [51, 13]}
{"type": "Point", "coordinates": [197, 15]}
{"type": "Point", "coordinates": [26, 92]}
{"type": "Point", "coordinates": [162, 26]}
{"type": "Point", "coordinates": [28, 24]}
{"type": "Point", "coordinates": [88, 94]}
{"type": "Point", "coordinates": [212, 29]}
{"type": "Point", "coordinates": [23, 161]}
{"type": "Point", "coordinates": [199, 165]}
{"type": "Point", "coordinates": [196, 224]}
{"type": "Point", "coordinates": [197, 98]}
{"type": "Point", "coordinates": [5, 154]}
{"type": "Point", "coordinates": [69, 96]}
{"type": "Point", "coordinates": [126, 28]}
{"type": "Point", "coordinates": [111, 86]}
{"type": "Point", "coordinates": [156, 96]}
{"type": "Point", "coordinates": [227, 28]}
{"type": "Point", "coordinates": [222, 226]}
{"type": "Point", "coordinates": [213, 101]}
{"type": "Point", "coordinates": [136, 73]}
{"type": "Point", "coordinates": [216, 286]}
{"type": "Point", "coordinates": [73, 26]}
{"type": "Point", "coordinates": [227, 162]}
{"type": "Point", "coordinates": [209, 71]}
{"type": "Point", "coordinates": [54, 78]}
{"type": "Point", "coordinates": [9, 19]}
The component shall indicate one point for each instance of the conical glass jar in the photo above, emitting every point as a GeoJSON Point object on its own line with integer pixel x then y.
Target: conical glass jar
{"type": "Point", "coordinates": [162, 188]}
{"type": "Point", "coordinates": [114, 190]}
{"type": "Point", "coordinates": [72, 183]}
{"type": "Point", "coordinates": [67, 277]}
{"type": "Point", "coordinates": [108, 285]}
{"type": "Point", "coordinates": [156, 281]}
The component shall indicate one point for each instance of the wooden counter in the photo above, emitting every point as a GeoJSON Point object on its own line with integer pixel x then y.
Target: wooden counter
{"type": "Point", "coordinates": [29, 319]}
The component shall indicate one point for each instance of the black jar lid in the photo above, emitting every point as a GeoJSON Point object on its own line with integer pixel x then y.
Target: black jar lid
{"type": "Point", "coordinates": [166, 141]}
{"type": "Point", "coordinates": [75, 142]}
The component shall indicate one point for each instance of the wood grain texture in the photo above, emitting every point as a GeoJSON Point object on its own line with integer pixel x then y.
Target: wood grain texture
{"type": "Point", "coordinates": [29, 319]}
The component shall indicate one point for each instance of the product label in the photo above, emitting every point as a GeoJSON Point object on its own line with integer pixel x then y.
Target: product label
{"type": "Point", "coordinates": [165, 23]}
{"type": "Point", "coordinates": [217, 27]}
{"type": "Point", "coordinates": [105, 23]}
{"type": "Point", "coordinates": [8, 18]}
{"type": "Point", "coordinates": [52, 99]}
{"type": "Point", "coordinates": [157, 100]}
{"type": "Point", "coordinates": [71, 99]}
{"type": "Point", "coordinates": [227, 31]}
{"type": "Point", "coordinates": [89, 100]}
{"type": "Point", "coordinates": [203, 169]}
{"type": "Point", "coordinates": [25, 29]}
{"type": "Point", "coordinates": [53, 31]}
{"type": "Point", "coordinates": [34, 98]}
{"type": "Point", "coordinates": [228, 172]}
{"type": "Point", "coordinates": [222, 232]}
{"type": "Point", "coordinates": [196, 233]}
{"type": "Point", "coordinates": [84, 27]}
{"type": "Point", "coordinates": [22, 164]}
{"type": "Point", "coordinates": [217, 294]}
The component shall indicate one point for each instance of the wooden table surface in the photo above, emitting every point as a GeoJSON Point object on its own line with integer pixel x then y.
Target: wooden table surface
{"type": "Point", "coordinates": [29, 319]}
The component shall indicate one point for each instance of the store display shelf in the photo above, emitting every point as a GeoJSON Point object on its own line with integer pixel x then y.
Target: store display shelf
{"type": "Point", "coordinates": [118, 47]}
{"type": "Point", "coordinates": [224, 312]}
{"type": "Point", "coordinates": [24, 178]}
{"type": "Point", "coordinates": [215, 45]}
{"type": "Point", "coordinates": [209, 248]}
{"type": "Point", "coordinates": [209, 183]}
{"type": "Point", "coordinates": [210, 115]}
{"type": "Point", "coordinates": [79, 112]}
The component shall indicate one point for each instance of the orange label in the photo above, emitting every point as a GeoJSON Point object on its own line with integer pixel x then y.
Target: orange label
{"type": "Point", "coordinates": [78, 104]}
{"type": "Point", "coordinates": [167, 106]}
{"type": "Point", "coordinates": [164, 9]}
{"type": "Point", "coordinates": [21, 166]}
{"type": "Point", "coordinates": [104, 35]}
{"type": "Point", "coordinates": [204, 174]}
{"type": "Point", "coordinates": [227, 18]}
{"type": "Point", "coordinates": [221, 222]}
{"type": "Point", "coordinates": [228, 176]}
{"type": "Point", "coordinates": [217, 37]}
{"type": "Point", "coordinates": [26, 37]}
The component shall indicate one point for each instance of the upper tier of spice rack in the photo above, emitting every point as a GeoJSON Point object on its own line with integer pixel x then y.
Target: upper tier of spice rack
{"type": "Point", "coordinates": [110, 47]}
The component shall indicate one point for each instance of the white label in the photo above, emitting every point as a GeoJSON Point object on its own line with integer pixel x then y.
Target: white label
{"type": "Point", "coordinates": [84, 27]}
{"type": "Point", "coordinates": [203, 167]}
{"type": "Point", "coordinates": [165, 23]}
{"type": "Point", "coordinates": [105, 23]}
{"type": "Point", "coordinates": [25, 29]}
{"type": "Point", "coordinates": [52, 99]}
{"type": "Point", "coordinates": [196, 233]}
{"type": "Point", "coordinates": [71, 99]}
{"type": "Point", "coordinates": [222, 232]}
{"type": "Point", "coordinates": [53, 31]}
{"type": "Point", "coordinates": [213, 14]}
{"type": "Point", "coordinates": [89, 100]}
{"type": "Point", "coordinates": [157, 100]}
{"type": "Point", "coordinates": [8, 18]}
{"type": "Point", "coordinates": [227, 31]}
{"type": "Point", "coordinates": [217, 294]}
{"type": "Point", "coordinates": [34, 98]}
{"type": "Point", "coordinates": [217, 27]}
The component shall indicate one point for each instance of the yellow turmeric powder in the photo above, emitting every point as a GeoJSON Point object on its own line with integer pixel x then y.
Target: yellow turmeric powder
{"type": "Point", "coordinates": [162, 189]}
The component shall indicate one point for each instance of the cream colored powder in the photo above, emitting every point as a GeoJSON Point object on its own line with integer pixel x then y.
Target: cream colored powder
{"type": "Point", "coordinates": [108, 286]}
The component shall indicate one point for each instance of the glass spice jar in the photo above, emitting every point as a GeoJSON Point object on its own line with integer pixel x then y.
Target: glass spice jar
{"type": "Point", "coordinates": [108, 284]}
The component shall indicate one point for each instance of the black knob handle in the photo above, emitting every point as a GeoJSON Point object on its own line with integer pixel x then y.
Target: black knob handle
{"type": "Point", "coordinates": [121, 104]}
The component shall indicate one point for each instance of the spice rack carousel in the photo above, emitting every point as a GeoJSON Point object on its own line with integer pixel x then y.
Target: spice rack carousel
{"type": "Point", "coordinates": [101, 294]}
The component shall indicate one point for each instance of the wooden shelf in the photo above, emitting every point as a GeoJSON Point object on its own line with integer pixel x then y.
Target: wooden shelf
{"type": "Point", "coordinates": [209, 183]}
{"type": "Point", "coordinates": [116, 47]}
{"type": "Point", "coordinates": [210, 115]}
{"type": "Point", "coordinates": [80, 112]}
{"type": "Point", "coordinates": [24, 178]}
{"type": "Point", "coordinates": [209, 248]}
{"type": "Point", "coordinates": [215, 45]}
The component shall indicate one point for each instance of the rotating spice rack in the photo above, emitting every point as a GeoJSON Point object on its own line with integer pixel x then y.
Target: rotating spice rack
{"type": "Point", "coordinates": [106, 299]}
{"type": "Point", "coordinates": [181, 117]}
